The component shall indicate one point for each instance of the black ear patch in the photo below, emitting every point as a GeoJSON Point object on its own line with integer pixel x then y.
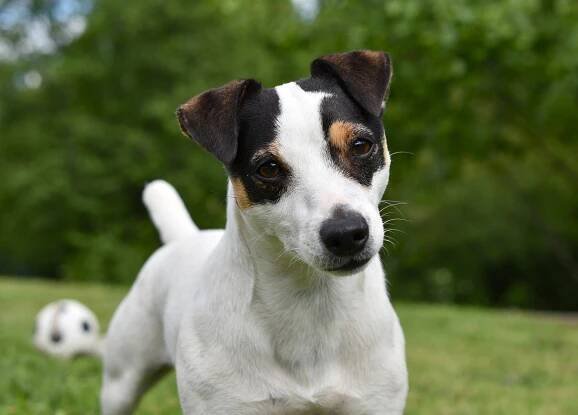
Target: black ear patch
{"type": "Point", "coordinates": [212, 118]}
{"type": "Point", "coordinates": [365, 75]}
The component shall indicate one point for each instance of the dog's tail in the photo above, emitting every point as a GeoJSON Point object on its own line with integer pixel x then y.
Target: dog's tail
{"type": "Point", "coordinates": [167, 211]}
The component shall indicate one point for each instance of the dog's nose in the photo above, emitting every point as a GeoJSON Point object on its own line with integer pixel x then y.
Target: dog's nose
{"type": "Point", "coordinates": [345, 233]}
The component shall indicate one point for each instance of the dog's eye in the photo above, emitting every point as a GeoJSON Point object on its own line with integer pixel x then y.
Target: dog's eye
{"type": "Point", "coordinates": [362, 147]}
{"type": "Point", "coordinates": [269, 170]}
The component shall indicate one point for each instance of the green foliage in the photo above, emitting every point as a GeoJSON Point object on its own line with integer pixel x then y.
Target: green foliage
{"type": "Point", "coordinates": [461, 360]}
{"type": "Point", "coordinates": [484, 99]}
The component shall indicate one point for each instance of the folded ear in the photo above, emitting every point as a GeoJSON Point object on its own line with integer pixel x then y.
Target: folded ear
{"type": "Point", "coordinates": [365, 75]}
{"type": "Point", "coordinates": [211, 118]}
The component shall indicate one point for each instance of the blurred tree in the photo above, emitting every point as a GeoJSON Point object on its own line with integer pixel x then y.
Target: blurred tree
{"type": "Point", "coordinates": [484, 99]}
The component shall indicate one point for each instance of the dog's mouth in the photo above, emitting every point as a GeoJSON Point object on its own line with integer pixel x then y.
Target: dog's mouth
{"type": "Point", "coordinates": [350, 266]}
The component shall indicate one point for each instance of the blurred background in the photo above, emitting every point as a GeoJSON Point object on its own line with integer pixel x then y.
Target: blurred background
{"type": "Point", "coordinates": [483, 197]}
{"type": "Point", "coordinates": [482, 122]}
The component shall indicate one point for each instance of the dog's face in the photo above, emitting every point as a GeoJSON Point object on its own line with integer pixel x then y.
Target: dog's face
{"type": "Point", "coordinates": [308, 160]}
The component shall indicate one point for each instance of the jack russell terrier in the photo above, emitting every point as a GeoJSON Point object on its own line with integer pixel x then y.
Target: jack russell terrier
{"type": "Point", "coordinates": [285, 311]}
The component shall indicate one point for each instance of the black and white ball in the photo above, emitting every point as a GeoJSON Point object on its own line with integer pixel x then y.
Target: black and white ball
{"type": "Point", "coordinates": [67, 328]}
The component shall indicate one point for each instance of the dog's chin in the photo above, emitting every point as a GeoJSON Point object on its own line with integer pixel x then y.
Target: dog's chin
{"type": "Point", "coordinates": [348, 266]}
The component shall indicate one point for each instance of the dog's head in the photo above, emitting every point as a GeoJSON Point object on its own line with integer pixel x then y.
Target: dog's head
{"type": "Point", "coordinates": [307, 160]}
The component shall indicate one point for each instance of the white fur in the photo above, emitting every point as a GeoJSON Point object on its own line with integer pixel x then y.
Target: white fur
{"type": "Point", "coordinates": [246, 315]}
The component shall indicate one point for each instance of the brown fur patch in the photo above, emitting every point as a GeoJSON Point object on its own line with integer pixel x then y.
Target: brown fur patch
{"type": "Point", "coordinates": [241, 196]}
{"type": "Point", "coordinates": [341, 134]}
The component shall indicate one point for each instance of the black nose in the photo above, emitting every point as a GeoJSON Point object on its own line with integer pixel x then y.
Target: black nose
{"type": "Point", "coordinates": [345, 233]}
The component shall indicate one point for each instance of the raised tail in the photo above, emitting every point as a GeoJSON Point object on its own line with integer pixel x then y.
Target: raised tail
{"type": "Point", "coordinates": [167, 211]}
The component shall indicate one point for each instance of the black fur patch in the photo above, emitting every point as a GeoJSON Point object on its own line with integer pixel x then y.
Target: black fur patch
{"type": "Point", "coordinates": [341, 107]}
{"type": "Point", "coordinates": [257, 132]}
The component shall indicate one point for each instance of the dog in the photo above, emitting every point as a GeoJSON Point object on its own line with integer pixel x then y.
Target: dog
{"type": "Point", "coordinates": [285, 311]}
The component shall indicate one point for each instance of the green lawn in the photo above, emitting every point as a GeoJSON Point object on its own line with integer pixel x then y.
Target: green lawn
{"type": "Point", "coordinates": [461, 360]}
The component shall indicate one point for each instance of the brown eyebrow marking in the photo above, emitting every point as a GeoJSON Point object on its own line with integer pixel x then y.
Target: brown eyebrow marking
{"type": "Point", "coordinates": [241, 196]}
{"type": "Point", "coordinates": [341, 133]}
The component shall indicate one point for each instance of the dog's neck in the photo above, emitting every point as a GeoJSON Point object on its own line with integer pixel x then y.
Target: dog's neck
{"type": "Point", "coordinates": [311, 318]}
{"type": "Point", "coordinates": [307, 314]}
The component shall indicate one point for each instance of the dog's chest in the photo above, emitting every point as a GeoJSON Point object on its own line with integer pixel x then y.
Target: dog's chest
{"type": "Point", "coordinates": [309, 353]}
{"type": "Point", "coordinates": [317, 345]}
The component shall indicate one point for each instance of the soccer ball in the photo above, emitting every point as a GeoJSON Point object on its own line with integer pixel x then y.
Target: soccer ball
{"type": "Point", "coordinates": [66, 329]}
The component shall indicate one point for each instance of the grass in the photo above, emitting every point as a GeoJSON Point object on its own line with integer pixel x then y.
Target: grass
{"type": "Point", "coordinates": [461, 360]}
